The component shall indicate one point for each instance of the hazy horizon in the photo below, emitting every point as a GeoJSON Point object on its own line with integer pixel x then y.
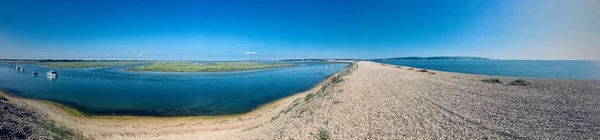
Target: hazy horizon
{"type": "Point", "coordinates": [287, 59]}
{"type": "Point", "coordinates": [208, 30]}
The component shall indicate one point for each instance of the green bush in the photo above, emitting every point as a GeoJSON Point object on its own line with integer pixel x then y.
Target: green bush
{"type": "Point", "coordinates": [494, 80]}
{"type": "Point", "coordinates": [519, 82]}
{"type": "Point", "coordinates": [422, 71]}
{"type": "Point", "coordinates": [323, 134]}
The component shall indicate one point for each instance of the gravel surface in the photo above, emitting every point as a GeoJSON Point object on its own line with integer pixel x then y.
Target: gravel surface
{"type": "Point", "coordinates": [384, 102]}
{"type": "Point", "coordinates": [19, 123]}
{"type": "Point", "coordinates": [378, 101]}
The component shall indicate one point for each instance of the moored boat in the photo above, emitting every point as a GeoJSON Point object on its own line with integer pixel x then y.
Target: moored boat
{"type": "Point", "coordinates": [52, 73]}
{"type": "Point", "coordinates": [20, 68]}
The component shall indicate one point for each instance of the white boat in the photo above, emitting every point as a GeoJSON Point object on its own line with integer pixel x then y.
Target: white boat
{"type": "Point", "coordinates": [52, 73]}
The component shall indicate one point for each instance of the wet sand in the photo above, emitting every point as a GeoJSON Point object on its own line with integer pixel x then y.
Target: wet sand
{"type": "Point", "coordinates": [377, 101]}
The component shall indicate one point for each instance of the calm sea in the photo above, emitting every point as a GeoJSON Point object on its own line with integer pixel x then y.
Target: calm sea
{"type": "Point", "coordinates": [513, 68]}
{"type": "Point", "coordinates": [110, 91]}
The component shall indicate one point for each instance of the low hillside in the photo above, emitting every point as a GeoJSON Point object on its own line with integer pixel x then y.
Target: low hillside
{"type": "Point", "coordinates": [17, 122]}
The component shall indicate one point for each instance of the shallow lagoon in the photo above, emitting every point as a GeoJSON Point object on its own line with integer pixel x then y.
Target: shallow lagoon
{"type": "Point", "coordinates": [113, 91]}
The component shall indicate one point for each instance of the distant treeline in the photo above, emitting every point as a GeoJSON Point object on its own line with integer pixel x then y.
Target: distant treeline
{"type": "Point", "coordinates": [76, 60]}
{"type": "Point", "coordinates": [66, 60]}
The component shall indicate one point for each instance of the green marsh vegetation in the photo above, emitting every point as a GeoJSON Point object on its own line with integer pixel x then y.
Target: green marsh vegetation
{"type": "Point", "coordinates": [64, 63]}
{"type": "Point", "coordinates": [207, 67]}
{"type": "Point", "coordinates": [87, 64]}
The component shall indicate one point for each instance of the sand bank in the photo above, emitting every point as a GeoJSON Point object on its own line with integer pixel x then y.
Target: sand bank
{"type": "Point", "coordinates": [377, 101]}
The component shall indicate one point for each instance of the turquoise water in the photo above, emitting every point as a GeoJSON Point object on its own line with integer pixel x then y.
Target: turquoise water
{"type": "Point", "coordinates": [513, 68]}
{"type": "Point", "coordinates": [112, 91]}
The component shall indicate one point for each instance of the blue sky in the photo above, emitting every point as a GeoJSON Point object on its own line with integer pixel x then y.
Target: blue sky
{"type": "Point", "coordinates": [245, 29]}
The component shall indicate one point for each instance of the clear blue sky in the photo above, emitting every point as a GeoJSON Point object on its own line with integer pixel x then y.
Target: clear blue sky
{"type": "Point", "coordinates": [245, 29]}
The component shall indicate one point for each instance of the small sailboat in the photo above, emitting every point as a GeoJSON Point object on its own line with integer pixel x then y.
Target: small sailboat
{"type": "Point", "coordinates": [20, 68]}
{"type": "Point", "coordinates": [52, 73]}
{"type": "Point", "coordinates": [34, 73]}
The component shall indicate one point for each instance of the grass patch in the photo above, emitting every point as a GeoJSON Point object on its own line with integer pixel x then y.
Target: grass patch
{"type": "Point", "coordinates": [519, 82]}
{"type": "Point", "coordinates": [207, 67]}
{"type": "Point", "coordinates": [323, 134]}
{"type": "Point", "coordinates": [336, 102]}
{"type": "Point", "coordinates": [2, 98]}
{"type": "Point", "coordinates": [410, 69]}
{"type": "Point", "coordinates": [86, 64]}
{"type": "Point", "coordinates": [422, 70]}
{"type": "Point", "coordinates": [494, 80]}
{"type": "Point", "coordinates": [59, 132]}
{"type": "Point", "coordinates": [431, 72]}
{"type": "Point", "coordinates": [70, 110]}
{"type": "Point", "coordinates": [323, 88]}
{"type": "Point", "coordinates": [294, 104]}
{"type": "Point", "coordinates": [309, 96]}
{"type": "Point", "coordinates": [398, 67]}
{"type": "Point", "coordinates": [75, 112]}
{"type": "Point", "coordinates": [302, 110]}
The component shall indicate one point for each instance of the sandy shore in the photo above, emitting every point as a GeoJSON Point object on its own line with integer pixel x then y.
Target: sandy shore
{"type": "Point", "coordinates": [376, 101]}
